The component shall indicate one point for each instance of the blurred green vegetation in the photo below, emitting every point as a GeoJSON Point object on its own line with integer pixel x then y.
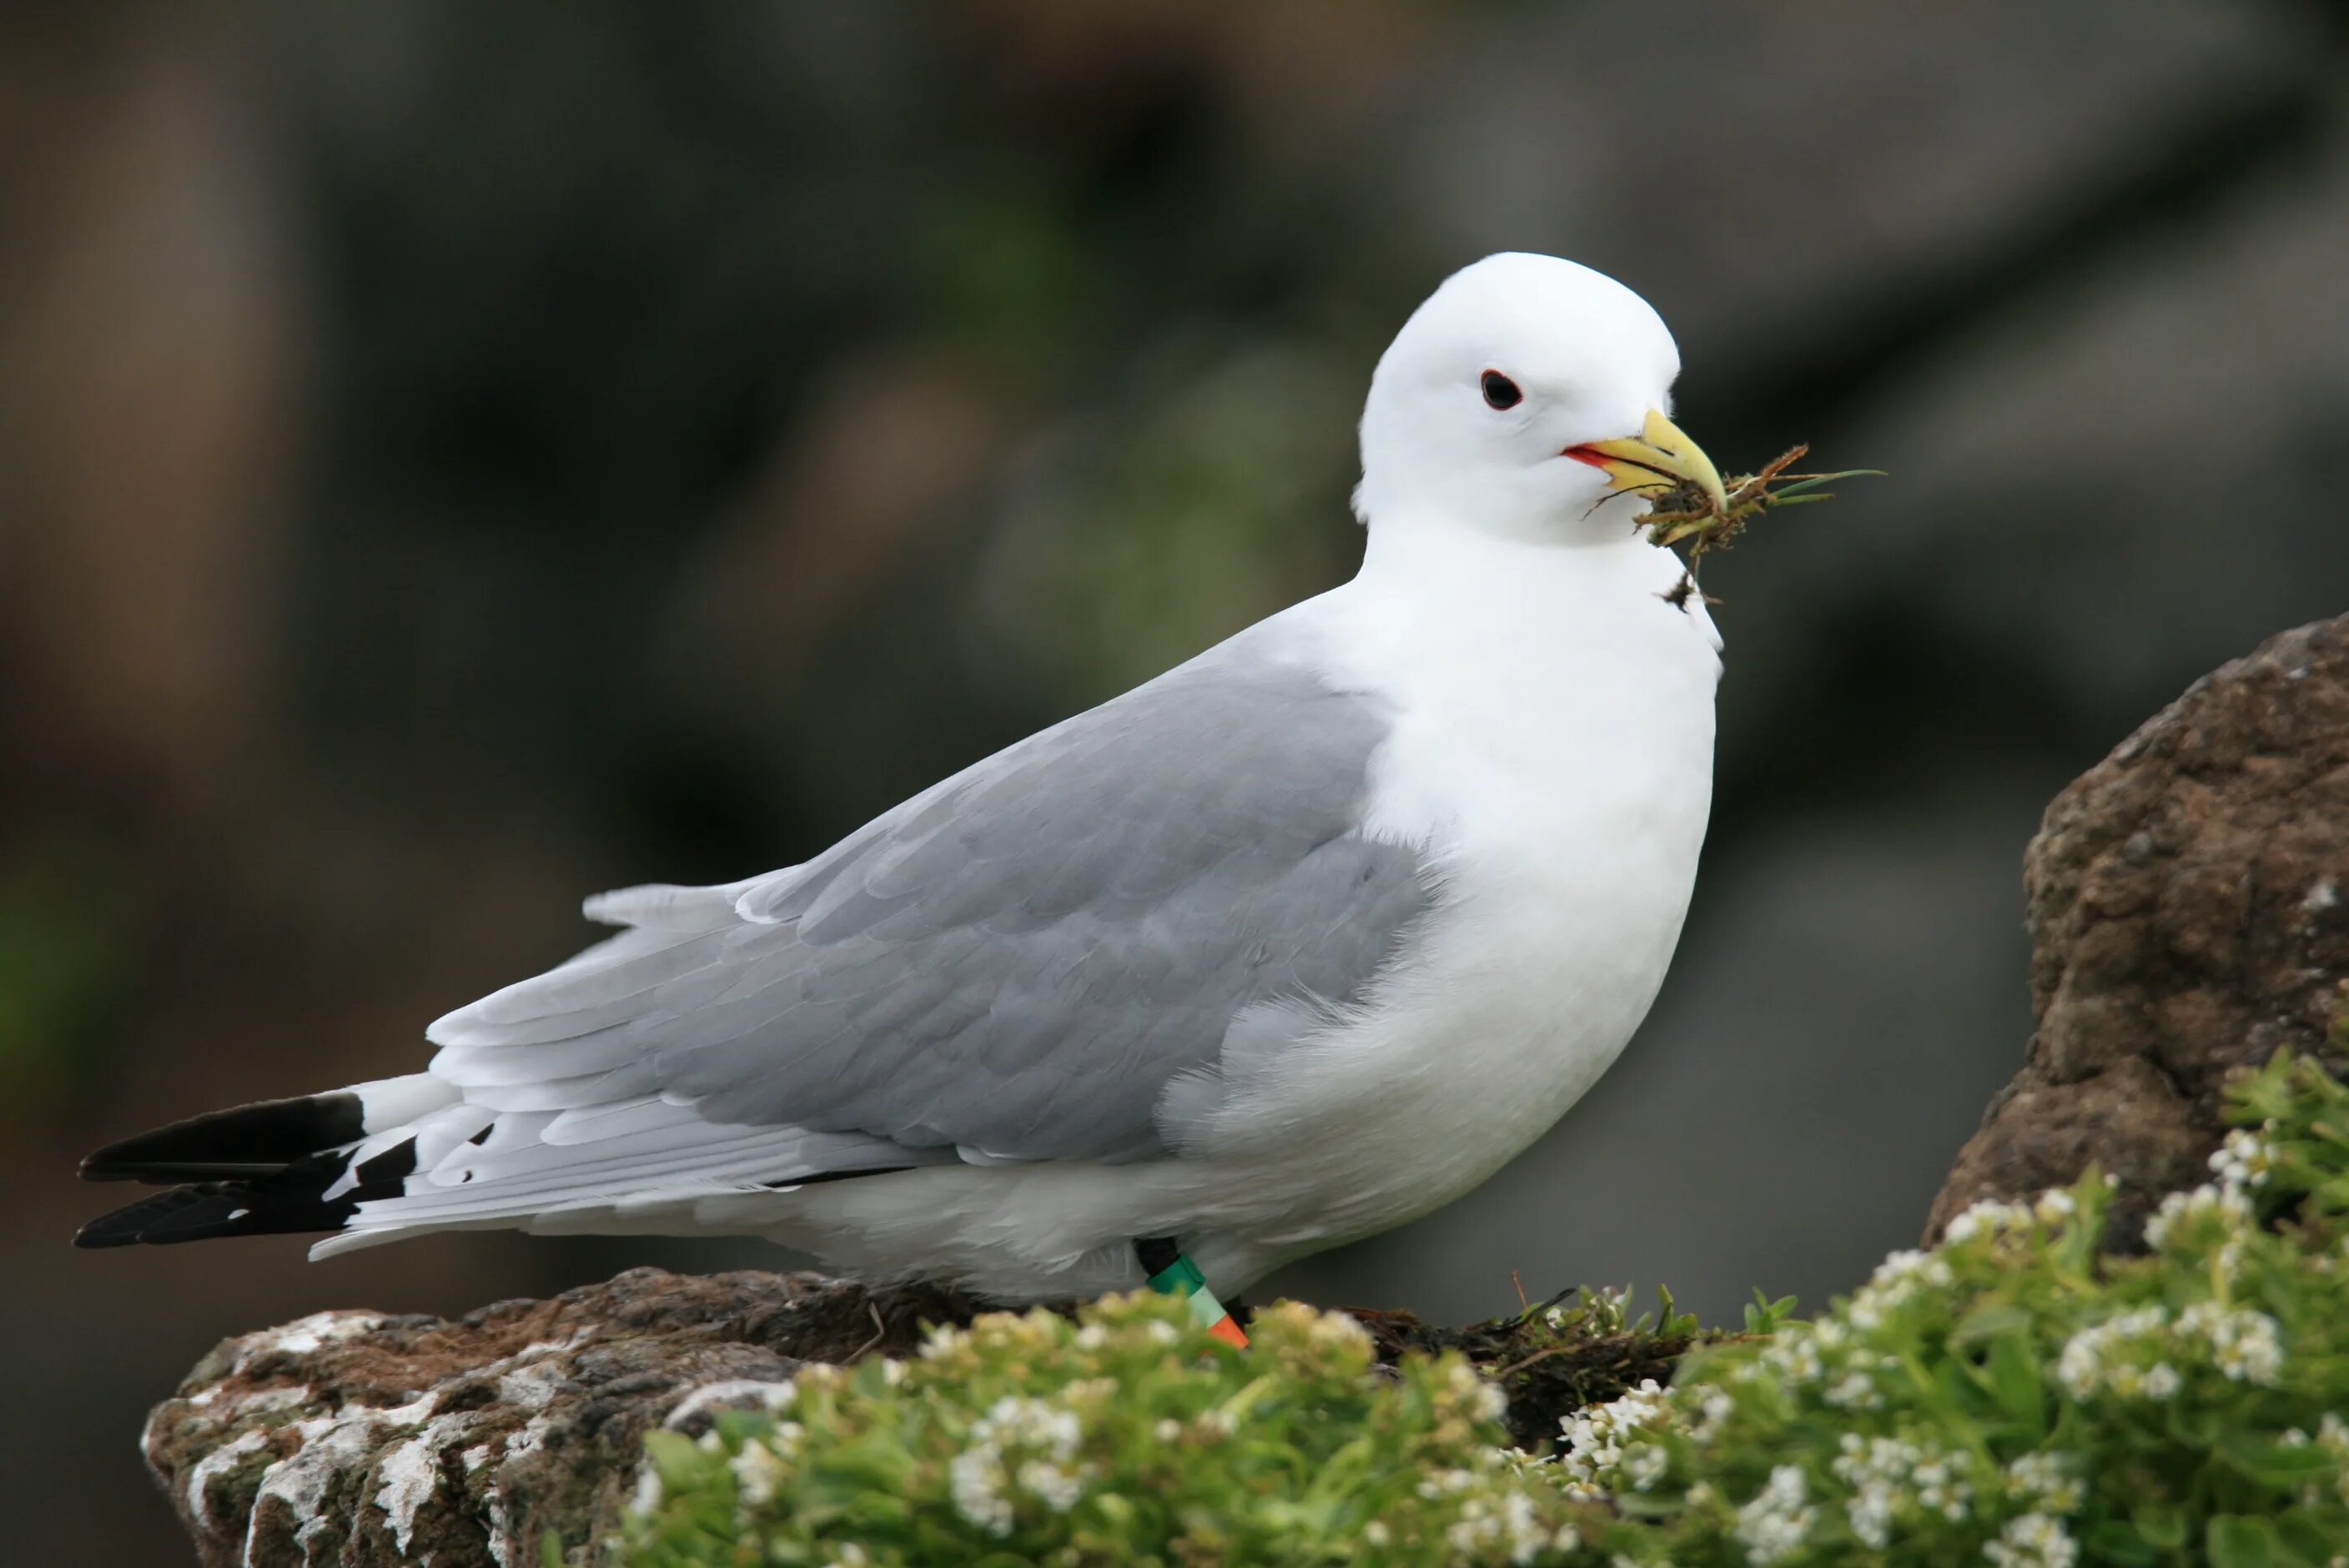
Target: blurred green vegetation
{"type": "Point", "coordinates": [75, 910]}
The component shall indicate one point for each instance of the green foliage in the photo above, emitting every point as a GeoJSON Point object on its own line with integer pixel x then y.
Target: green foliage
{"type": "Point", "coordinates": [70, 906]}
{"type": "Point", "coordinates": [1126, 1436]}
{"type": "Point", "coordinates": [2013, 1397]}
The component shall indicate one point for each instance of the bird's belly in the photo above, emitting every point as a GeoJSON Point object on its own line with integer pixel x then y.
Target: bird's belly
{"type": "Point", "coordinates": [1533, 977]}
{"type": "Point", "coordinates": [1484, 1084]}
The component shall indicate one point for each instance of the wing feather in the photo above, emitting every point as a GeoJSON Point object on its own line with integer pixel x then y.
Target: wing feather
{"type": "Point", "coordinates": [1018, 963]}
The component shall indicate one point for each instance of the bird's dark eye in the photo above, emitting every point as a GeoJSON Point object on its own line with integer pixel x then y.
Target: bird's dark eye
{"type": "Point", "coordinates": [1501, 392]}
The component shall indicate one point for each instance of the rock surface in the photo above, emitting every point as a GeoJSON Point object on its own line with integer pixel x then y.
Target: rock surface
{"type": "Point", "coordinates": [349, 1438]}
{"type": "Point", "coordinates": [2189, 912]}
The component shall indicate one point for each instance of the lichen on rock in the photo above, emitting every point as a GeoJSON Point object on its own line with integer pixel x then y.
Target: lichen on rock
{"type": "Point", "coordinates": [350, 1438]}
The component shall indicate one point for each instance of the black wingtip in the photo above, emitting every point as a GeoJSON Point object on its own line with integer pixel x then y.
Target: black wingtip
{"type": "Point", "coordinates": [292, 1202]}
{"type": "Point", "coordinates": [244, 1143]}
{"type": "Point", "coordinates": [132, 1224]}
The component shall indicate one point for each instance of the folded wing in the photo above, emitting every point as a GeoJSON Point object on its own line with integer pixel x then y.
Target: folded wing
{"type": "Point", "coordinates": [1015, 966]}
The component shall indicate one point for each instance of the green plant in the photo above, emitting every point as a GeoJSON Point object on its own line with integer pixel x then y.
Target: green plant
{"type": "Point", "coordinates": [2013, 1397]}
{"type": "Point", "coordinates": [1126, 1436]}
{"type": "Point", "coordinates": [2017, 1398]}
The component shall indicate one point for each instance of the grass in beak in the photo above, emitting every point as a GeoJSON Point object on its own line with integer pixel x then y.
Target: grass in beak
{"type": "Point", "coordinates": [1686, 515]}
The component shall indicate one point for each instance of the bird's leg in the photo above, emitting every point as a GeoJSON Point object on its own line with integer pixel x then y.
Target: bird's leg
{"type": "Point", "coordinates": [1172, 1273]}
{"type": "Point", "coordinates": [1156, 1254]}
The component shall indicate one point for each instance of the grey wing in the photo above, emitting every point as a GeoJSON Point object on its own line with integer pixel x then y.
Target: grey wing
{"type": "Point", "coordinates": [1015, 966]}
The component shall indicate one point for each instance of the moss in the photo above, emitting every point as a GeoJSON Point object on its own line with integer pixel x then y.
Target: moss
{"type": "Point", "coordinates": [230, 1492]}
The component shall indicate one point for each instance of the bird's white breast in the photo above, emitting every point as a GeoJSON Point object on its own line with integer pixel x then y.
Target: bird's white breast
{"type": "Point", "coordinates": [1552, 751]}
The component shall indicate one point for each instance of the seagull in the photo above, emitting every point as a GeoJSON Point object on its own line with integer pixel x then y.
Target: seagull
{"type": "Point", "coordinates": [1299, 940]}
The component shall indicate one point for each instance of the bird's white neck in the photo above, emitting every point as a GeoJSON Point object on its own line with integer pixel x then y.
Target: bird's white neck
{"type": "Point", "coordinates": [1519, 595]}
{"type": "Point", "coordinates": [1539, 659]}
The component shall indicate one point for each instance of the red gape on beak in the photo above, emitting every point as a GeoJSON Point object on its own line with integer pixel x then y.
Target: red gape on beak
{"type": "Point", "coordinates": [1659, 458]}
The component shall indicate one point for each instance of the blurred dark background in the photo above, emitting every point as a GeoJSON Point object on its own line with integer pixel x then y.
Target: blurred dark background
{"type": "Point", "coordinates": [457, 457]}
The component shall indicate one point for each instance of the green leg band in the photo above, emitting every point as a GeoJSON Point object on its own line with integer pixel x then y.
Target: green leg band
{"type": "Point", "coordinates": [1182, 1277]}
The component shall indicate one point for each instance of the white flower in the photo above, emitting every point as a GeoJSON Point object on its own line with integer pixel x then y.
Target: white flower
{"type": "Point", "coordinates": [2228, 1202]}
{"type": "Point", "coordinates": [1794, 1353]}
{"type": "Point", "coordinates": [1057, 1488]}
{"type": "Point", "coordinates": [2034, 1540]}
{"type": "Point", "coordinates": [2243, 1161]}
{"type": "Point", "coordinates": [2245, 1346]}
{"type": "Point", "coordinates": [2046, 1480]}
{"type": "Point", "coordinates": [1897, 1280]}
{"type": "Point", "coordinates": [757, 1473]}
{"type": "Point", "coordinates": [1446, 1483]}
{"type": "Point", "coordinates": [1911, 1267]}
{"type": "Point", "coordinates": [976, 1481]}
{"type": "Point", "coordinates": [1488, 1519]}
{"type": "Point", "coordinates": [1871, 1515]}
{"type": "Point", "coordinates": [1597, 1435]}
{"type": "Point", "coordinates": [1034, 1423]}
{"type": "Point", "coordinates": [1940, 1490]}
{"type": "Point", "coordinates": [1775, 1524]}
{"type": "Point", "coordinates": [1645, 1465]}
{"type": "Point", "coordinates": [1987, 1218]}
{"type": "Point", "coordinates": [1893, 1476]}
{"type": "Point", "coordinates": [1338, 1328]}
{"type": "Point", "coordinates": [1713, 1411]}
{"type": "Point", "coordinates": [1521, 1528]}
{"type": "Point", "coordinates": [2089, 1358]}
{"type": "Point", "coordinates": [2055, 1206]}
{"type": "Point", "coordinates": [2135, 1354]}
{"type": "Point", "coordinates": [980, 1478]}
{"type": "Point", "coordinates": [1483, 1396]}
{"type": "Point", "coordinates": [1854, 1391]}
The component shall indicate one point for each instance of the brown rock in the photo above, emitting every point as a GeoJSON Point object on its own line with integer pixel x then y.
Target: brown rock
{"type": "Point", "coordinates": [2188, 910]}
{"type": "Point", "coordinates": [352, 1439]}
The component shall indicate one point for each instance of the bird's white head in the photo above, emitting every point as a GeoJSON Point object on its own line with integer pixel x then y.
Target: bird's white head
{"type": "Point", "coordinates": [1526, 394]}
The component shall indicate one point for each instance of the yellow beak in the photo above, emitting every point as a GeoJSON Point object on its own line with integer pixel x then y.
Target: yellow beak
{"type": "Point", "coordinates": [1659, 458]}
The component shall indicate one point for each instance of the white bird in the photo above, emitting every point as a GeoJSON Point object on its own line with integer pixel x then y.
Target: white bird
{"type": "Point", "coordinates": [1299, 940]}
